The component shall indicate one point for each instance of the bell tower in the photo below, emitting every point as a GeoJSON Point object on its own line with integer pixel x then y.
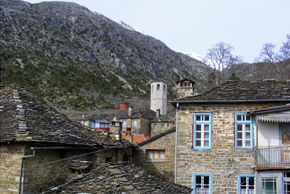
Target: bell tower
{"type": "Point", "coordinates": [158, 99]}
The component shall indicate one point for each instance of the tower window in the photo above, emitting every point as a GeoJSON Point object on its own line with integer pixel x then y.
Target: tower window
{"type": "Point", "coordinates": [158, 86]}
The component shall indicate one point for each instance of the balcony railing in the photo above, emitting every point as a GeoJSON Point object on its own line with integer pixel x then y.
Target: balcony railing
{"type": "Point", "coordinates": [275, 157]}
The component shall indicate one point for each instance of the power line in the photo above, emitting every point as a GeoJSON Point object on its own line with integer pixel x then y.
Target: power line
{"type": "Point", "coordinates": [68, 158]}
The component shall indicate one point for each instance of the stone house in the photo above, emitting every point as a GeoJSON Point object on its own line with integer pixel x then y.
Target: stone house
{"type": "Point", "coordinates": [40, 147]}
{"type": "Point", "coordinates": [216, 135]}
{"type": "Point", "coordinates": [162, 123]}
{"type": "Point", "coordinates": [157, 154]}
{"type": "Point", "coordinates": [272, 153]}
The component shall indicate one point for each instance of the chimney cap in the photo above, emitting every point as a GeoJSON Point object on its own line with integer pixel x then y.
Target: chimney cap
{"type": "Point", "coordinates": [185, 80]}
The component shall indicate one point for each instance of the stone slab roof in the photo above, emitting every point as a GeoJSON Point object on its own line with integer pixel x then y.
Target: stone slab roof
{"type": "Point", "coordinates": [244, 91]}
{"type": "Point", "coordinates": [157, 136]}
{"type": "Point", "coordinates": [23, 117]}
{"type": "Point", "coordinates": [136, 113]}
{"type": "Point", "coordinates": [119, 178]}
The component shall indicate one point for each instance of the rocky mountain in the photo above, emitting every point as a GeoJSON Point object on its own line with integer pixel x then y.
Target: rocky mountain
{"type": "Point", "coordinates": [78, 59]}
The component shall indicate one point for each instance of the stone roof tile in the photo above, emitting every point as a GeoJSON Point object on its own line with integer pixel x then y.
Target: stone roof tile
{"type": "Point", "coordinates": [244, 91]}
{"type": "Point", "coordinates": [23, 117]}
{"type": "Point", "coordinates": [119, 178]}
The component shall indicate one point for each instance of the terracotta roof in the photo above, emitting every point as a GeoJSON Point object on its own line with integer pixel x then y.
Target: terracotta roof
{"type": "Point", "coordinates": [157, 136]}
{"type": "Point", "coordinates": [119, 178]}
{"type": "Point", "coordinates": [244, 91]}
{"type": "Point", "coordinates": [23, 117]}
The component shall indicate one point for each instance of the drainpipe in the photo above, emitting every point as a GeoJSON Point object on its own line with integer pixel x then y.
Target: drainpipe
{"type": "Point", "coordinates": [175, 157]}
{"type": "Point", "coordinates": [21, 169]}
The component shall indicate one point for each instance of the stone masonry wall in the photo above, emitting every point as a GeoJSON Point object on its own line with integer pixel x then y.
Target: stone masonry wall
{"type": "Point", "coordinates": [223, 161]}
{"type": "Point", "coordinates": [166, 168]}
{"type": "Point", "coordinates": [10, 159]}
{"type": "Point", "coordinates": [158, 130]}
{"type": "Point", "coordinates": [41, 172]}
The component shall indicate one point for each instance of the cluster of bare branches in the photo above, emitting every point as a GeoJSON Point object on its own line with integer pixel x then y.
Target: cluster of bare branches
{"type": "Point", "coordinates": [269, 55]}
{"type": "Point", "coordinates": [220, 57]}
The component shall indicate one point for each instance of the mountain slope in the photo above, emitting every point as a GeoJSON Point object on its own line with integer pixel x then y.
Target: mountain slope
{"type": "Point", "coordinates": [78, 59]}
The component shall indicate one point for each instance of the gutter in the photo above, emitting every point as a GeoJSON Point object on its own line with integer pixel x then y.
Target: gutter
{"type": "Point", "coordinates": [33, 154]}
{"type": "Point", "coordinates": [21, 169]}
{"type": "Point", "coordinates": [175, 154]}
{"type": "Point", "coordinates": [228, 101]}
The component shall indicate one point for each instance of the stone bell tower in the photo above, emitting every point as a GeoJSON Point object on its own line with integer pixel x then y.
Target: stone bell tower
{"type": "Point", "coordinates": [158, 101]}
{"type": "Point", "coordinates": [185, 88]}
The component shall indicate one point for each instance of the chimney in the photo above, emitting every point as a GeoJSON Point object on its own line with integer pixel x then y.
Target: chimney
{"type": "Point", "coordinates": [185, 88]}
{"type": "Point", "coordinates": [157, 113]}
{"type": "Point", "coordinates": [130, 111]}
{"type": "Point", "coordinates": [124, 106]}
{"type": "Point", "coordinates": [129, 135]}
{"type": "Point", "coordinates": [116, 129]}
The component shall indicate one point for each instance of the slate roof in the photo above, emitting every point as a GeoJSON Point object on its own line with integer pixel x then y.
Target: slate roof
{"type": "Point", "coordinates": [136, 113]}
{"type": "Point", "coordinates": [23, 117]}
{"type": "Point", "coordinates": [244, 91]}
{"type": "Point", "coordinates": [123, 114]}
{"type": "Point", "coordinates": [170, 116]}
{"type": "Point", "coordinates": [119, 178]}
{"type": "Point", "coordinates": [157, 136]}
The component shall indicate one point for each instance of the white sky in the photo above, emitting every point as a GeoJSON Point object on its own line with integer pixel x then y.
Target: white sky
{"type": "Point", "coordinates": [197, 25]}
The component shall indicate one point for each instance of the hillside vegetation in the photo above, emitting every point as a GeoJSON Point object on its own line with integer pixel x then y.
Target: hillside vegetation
{"type": "Point", "coordinates": [77, 59]}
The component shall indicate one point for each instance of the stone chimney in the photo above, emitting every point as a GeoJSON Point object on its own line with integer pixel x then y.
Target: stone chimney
{"type": "Point", "coordinates": [185, 88]}
{"type": "Point", "coordinates": [129, 135]}
{"type": "Point", "coordinates": [116, 129]}
{"type": "Point", "coordinates": [130, 110]}
{"type": "Point", "coordinates": [124, 106]}
{"type": "Point", "coordinates": [157, 113]}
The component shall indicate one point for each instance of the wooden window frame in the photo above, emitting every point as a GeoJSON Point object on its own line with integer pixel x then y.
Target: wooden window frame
{"type": "Point", "coordinates": [153, 159]}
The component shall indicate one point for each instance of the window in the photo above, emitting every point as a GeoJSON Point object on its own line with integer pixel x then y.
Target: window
{"type": "Point", "coordinates": [134, 132]}
{"type": "Point", "coordinates": [243, 131]}
{"type": "Point", "coordinates": [155, 155]}
{"type": "Point", "coordinates": [158, 86]}
{"type": "Point", "coordinates": [124, 123]}
{"type": "Point", "coordinates": [135, 123]}
{"type": "Point", "coordinates": [202, 183]}
{"type": "Point", "coordinates": [154, 126]}
{"type": "Point", "coordinates": [286, 182]}
{"type": "Point", "coordinates": [162, 126]}
{"type": "Point", "coordinates": [269, 185]}
{"type": "Point", "coordinates": [246, 184]}
{"type": "Point", "coordinates": [202, 131]}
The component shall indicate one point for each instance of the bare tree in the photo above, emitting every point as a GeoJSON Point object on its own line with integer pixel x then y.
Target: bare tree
{"type": "Point", "coordinates": [220, 57]}
{"type": "Point", "coordinates": [267, 54]}
{"type": "Point", "coordinates": [285, 49]}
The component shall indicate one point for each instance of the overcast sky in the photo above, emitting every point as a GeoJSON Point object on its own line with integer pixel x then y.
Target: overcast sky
{"type": "Point", "coordinates": [197, 25]}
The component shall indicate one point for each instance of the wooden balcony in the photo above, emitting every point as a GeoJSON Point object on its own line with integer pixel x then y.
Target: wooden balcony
{"type": "Point", "coordinates": [272, 158]}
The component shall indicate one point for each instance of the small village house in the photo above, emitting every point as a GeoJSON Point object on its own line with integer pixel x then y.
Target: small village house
{"type": "Point", "coordinates": [216, 137]}
{"type": "Point", "coordinates": [41, 148]}
{"type": "Point", "coordinates": [157, 154]}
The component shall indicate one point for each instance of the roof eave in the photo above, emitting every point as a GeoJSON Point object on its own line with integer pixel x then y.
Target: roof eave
{"type": "Point", "coordinates": [227, 101]}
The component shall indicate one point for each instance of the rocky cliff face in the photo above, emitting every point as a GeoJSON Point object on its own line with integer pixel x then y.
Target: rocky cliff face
{"type": "Point", "coordinates": [75, 58]}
